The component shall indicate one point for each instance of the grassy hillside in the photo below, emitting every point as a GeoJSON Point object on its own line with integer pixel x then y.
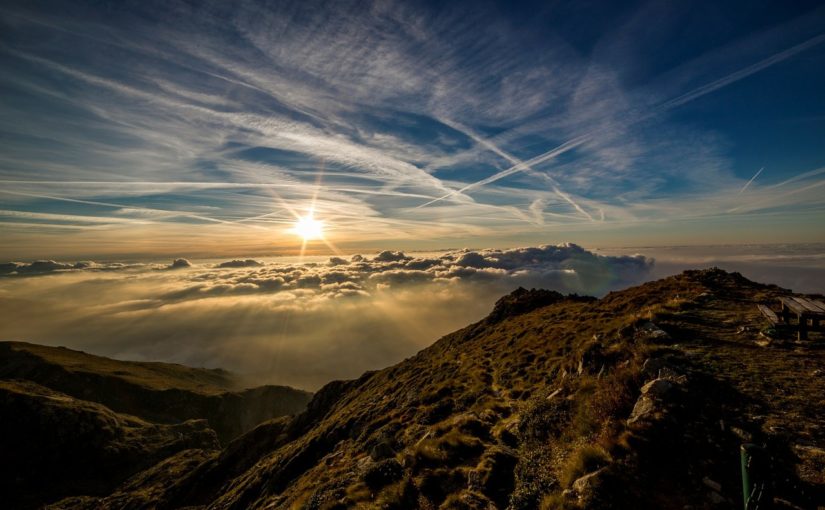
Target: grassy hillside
{"type": "Point", "coordinates": [53, 445]}
{"type": "Point", "coordinates": [637, 400]}
{"type": "Point", "coordinates": [158, 392]}
{"type": "Point", "coordinates": [150, 375]}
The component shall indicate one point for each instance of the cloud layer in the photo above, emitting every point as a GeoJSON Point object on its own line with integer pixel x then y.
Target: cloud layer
{"type": "Point", "coordinates": [291, 323]}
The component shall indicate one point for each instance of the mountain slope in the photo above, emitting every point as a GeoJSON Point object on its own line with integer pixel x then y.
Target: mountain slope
{"type": "Point", "coordinates": [158, 392]}
{"type": "Point", "coordinates": [53, 444]}
{"type": "Point", "coordinates": [637, 400]}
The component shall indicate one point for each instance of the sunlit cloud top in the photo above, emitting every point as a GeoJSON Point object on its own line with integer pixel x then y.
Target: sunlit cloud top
{"type": "Point", "coordinates": [141, 128]}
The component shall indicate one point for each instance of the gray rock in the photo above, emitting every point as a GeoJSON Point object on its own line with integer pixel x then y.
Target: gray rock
{"type": "Point", "coordinates": [657, 388]}
{"type": "Point", "coordinates": [584, 486]}
{"type": "Point", "coordinates": [672, 375]}
{"type": "Point", "coordinates": [652, 333]}
{"type": "Point", "coordinates": [644, 409]}
{"type": "Point", "coordinates": [651, 366]}
{"type": "Point", "coordinates": [382, 450]}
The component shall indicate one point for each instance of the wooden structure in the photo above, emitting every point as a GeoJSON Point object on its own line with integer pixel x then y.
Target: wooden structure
{"type": "Point", "coordinates": [809, 314]}
{"type": "Point", "coordinates": [770, 315]}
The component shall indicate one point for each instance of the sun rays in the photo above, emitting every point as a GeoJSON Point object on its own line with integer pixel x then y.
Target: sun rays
{"type": "Point", "coordinates": [309, 228]}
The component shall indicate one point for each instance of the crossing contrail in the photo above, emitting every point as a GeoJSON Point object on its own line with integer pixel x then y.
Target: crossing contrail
{"type": "Point", "coordinates": [666, 106]}
{"type": "Point", "coordinates": [750, 181]}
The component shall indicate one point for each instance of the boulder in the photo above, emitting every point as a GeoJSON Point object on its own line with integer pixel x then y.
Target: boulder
{"type": "Point", "coordinates": [644, 409]}
{"type": "Point", "coordinates": [585, 486]}
{"type": "Point", "coordinates": [650, 332]}
{"type": "Point", "coordinates": [657, 388]}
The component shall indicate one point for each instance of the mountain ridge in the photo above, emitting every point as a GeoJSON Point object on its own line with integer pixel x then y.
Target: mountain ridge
{"type": "Point", "coordinates": [640, 399]}
{"type": "Point", "coordinates": [154, 391]}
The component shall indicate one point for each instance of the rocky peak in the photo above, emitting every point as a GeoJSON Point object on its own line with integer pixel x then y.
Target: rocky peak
{"type": "Point", "coordinates": [521, 301]}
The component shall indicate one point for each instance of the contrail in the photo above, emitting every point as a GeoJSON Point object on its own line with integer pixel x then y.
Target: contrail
{"type": "Point", "coordinates": [743, 73]}
{"type": "Point", "coordinates": [667, 105]}
{"type": "Point", "coordinates": [750, 181]}
{"type": "Point", "coordinates": [561, 149]}
{"type": "Point", "coordinates": [514, 161]}
{"type": "Point", "coordinates": [773, 198]}
{"type": "Point", "coordinates": [184, 214]}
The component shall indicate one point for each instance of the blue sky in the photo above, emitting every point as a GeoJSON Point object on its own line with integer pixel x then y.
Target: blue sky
{"type": "Point", "coordinates": [155, 128]}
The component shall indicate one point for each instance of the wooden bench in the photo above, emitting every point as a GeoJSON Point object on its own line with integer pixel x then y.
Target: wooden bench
{"type": "Point", "coordinates": [806, 310]}
{"type": "Point", "coordinates": [769, 314]}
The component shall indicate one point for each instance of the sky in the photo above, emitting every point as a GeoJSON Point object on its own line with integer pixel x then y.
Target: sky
{"type": "Point", "coordinates": [138, 130]}
{"type": "Point", "coordinates": [341, 183]}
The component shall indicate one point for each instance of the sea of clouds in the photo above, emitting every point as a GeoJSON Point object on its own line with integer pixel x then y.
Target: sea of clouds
{"type": "Point", "coordinates": [280, 321]}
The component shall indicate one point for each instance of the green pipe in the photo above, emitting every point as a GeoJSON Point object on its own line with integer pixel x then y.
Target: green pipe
{"type": "Point", "coordinates": [753, 476]}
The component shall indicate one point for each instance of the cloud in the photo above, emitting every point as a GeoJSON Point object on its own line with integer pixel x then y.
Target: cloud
{"type": "Point", "coordinates": [240, 116]}
{"type": "Point", "coordinates": [390, 256]}
{"type": "Point", "coordinates": [299, 324]}
{"type": "Point", "coordinates": [180, 264]}
{"type": "Point", "coordinates": [241, 263]}
{"type": "Point", "coordinates": [40, 267]}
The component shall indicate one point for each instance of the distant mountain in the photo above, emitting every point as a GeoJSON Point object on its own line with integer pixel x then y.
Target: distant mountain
{"type": "Point", "coordinates": [74, 423]}
{"type": "Point", "coordinates": [158, 392]}
{"type": "Point", "coordinates": [53, 444]}
{"type": "Point", "coordinates": [639, 400]}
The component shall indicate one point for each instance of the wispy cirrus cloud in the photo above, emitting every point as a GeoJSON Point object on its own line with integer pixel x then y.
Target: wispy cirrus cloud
{"type": "Point", "coordinates": [224, 118]}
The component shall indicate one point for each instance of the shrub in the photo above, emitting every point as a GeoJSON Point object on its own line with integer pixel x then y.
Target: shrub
{"type": "Point", "coordinates": [585, 460]}
{"type": "Point", "coordinates": [438, 484]}
{"type": "Point", "coordinates": [400, 496]}
{"type": "Point", "coordinates": [383, 473]}
{"type": "Point", "coordinates": [452, 449]}
{"type": "Point", "coordinates": [543, 419]}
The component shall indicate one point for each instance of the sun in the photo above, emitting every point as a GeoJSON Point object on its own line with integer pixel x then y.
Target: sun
{"type": "Point", "coordinates": [309, 228]}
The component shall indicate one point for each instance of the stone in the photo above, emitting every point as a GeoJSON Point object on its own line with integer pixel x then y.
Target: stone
{"type": "Point", "coordinates": [586, 482]}
{"type": "Point", "coordinates": [381, 450]}
{"type": "Point", "coordinates": [742, 434]}
{"type": "Point", "coordinates": [651, 332]}
{"type": "Point", "coordinates": [764, 341]}
{"type": "Point", "coordinates": [657, 388]}
{"type": "Point", "coordinates": [651, 366]}
{"type": "Point", "coordinates": [644, 408]}
{"type": "Point", "coordinates": [714, 486]}
{"type": "Point", "coordinates": [671, 375]}
{"type": "Point", "coordinates": [583, 487]}
{"type": "Point", "coordinates": [554, 394]}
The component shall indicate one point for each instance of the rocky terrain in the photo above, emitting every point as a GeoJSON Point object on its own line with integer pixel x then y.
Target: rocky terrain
{"type": "Point", "coordinates": [640, 399]}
